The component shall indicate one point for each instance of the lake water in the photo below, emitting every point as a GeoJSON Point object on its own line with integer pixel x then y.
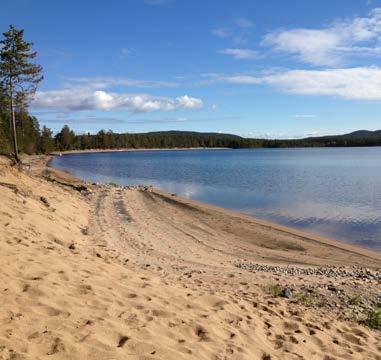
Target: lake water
{"type": "Point", "coordinates": [334, 192]}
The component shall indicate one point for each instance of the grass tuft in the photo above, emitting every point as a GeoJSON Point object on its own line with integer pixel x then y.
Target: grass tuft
{"type": "Point", "coordinates": [306, 299]}
{"type": "Point", "coordinates": [275, 290]}
{"type": "Point", "coordinates": [373, 319]}
{"type": "Point", "coordinates": [355, 300]}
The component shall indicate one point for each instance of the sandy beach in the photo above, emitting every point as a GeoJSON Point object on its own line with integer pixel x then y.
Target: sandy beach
{"type": "Point", "coordinates": [107, 272]}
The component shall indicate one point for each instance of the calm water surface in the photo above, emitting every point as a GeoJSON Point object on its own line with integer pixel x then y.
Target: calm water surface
{"type": "Point", "coordinates": [328, 191]}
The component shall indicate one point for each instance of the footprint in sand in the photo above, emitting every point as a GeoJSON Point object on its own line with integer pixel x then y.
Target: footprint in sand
{"type": "Point", "coordinates": [57, 346]}
{"type": "Point", "coordinates": [201, 333]}
{"type": "Point", "coordinates": [122, 340]}
{"type": "Point", "coordinates": [85, 289]}
{"type": "Point", "coordinates": [160, 313]}
{"type": "Point", "coordinates": [131, 296]}
{"type": "Point", "coordinates": [49, 310]}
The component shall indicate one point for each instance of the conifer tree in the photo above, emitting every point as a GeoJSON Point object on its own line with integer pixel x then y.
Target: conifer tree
{"type": "Point", "coordinates": [46, 140]}
{"type": "Point", "coordinates": [19, 75]}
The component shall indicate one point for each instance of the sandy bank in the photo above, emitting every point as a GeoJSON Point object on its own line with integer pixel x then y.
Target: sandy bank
{"type": "Point", "coordinates": [114, 273]}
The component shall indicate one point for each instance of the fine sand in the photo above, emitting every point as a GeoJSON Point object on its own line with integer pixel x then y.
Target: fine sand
{"type": "Point", "coordinates": [106, 272]}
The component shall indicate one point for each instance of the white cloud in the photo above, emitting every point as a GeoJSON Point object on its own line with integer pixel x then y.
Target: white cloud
{"type": "Point", "coordinates": [240, 79]}
{"type": "Point", "coordinates": [103, 100]}
{"type": "Point", "coordinates": [189, 102]}
{"type": "Point", "coordinates": [77, 99]}
{"type": "Point", "coordinates": [240, 53]}
{"type": "Point", "coordinates": [333, 44]}
{"type": "Point", "coordinates": [312, 46]}
{"type": "Point", "coordinates": [360, 83]}
{"type": "Point", "coordinates": [353, 83]}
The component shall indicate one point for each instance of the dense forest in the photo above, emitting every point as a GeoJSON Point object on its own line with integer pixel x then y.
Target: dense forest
{"type": "Point", "coordinates": [31, 139]}
{"type": "Point", "coordinates": [35, 139]}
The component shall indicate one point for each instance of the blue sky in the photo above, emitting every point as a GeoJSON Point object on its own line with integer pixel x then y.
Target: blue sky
{"type": "Point", "coordinates": [269, 68]}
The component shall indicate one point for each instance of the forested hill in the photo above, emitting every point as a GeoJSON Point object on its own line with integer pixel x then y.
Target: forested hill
{"type": "Point", "coordinates": [66, 140]}
{"type": "Point", "coordinates": [187, 139]}
{"type": "Point", "coordinates": [356, 138]}
{"type": "Point", "coordinates": [33, 139]}
{"type": "Point", "coordinates": [364, 134]}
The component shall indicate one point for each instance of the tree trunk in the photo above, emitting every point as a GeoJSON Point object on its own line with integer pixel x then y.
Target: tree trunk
{"type": "Point", "coordinates": [13, 122]}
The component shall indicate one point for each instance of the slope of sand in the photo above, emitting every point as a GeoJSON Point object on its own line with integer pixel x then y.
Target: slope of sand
{"type": "Point", "coordinates": [131, 274]}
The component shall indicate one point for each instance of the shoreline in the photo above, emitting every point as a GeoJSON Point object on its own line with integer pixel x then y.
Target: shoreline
{"type": "Point", "coordinates": [42, 164]}
{"type": "Point", "coordinates": [276, 226]}
{"type": "Point", "coordinates": [266, 223]}
{"type": "Point", "coordinates": [57, 153]}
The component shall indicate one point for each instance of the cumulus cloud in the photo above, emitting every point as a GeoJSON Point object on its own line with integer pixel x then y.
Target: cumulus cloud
{"type": "Point", "coordinates": [77, 99]}
{"type": "Point", "coordinates": [239, 79]}
{"type": "Point", "coordinates": [360, 83]}
{"type": "Point", "coordinates": [240, 53]}
{"type": "Point", "coordinates": [353, 83]}
{"type": "Point", "coordinates": [333, 44]}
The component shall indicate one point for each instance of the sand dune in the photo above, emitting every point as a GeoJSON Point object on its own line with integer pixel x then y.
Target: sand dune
{"type": "Point", "coordinates": [131, 274]}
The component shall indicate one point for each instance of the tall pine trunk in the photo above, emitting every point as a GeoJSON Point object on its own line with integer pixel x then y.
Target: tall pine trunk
{"type": "Point", "coordinates": [13, 123]}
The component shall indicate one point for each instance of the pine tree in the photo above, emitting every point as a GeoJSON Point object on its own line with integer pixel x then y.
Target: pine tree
{"type": "Point", "coordinates": [46, 140]}
{"type": "Point", "coordinates": [65, 139]}
{"type": "Point", "coordinates": [19, 76]}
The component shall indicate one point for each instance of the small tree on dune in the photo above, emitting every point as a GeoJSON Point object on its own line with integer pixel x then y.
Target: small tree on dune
{"type": "Point", "coordinates": [19, 76]}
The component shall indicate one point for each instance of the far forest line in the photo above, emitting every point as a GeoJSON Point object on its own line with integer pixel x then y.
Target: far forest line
{"type": "Point", "coordinates": [34, 139]}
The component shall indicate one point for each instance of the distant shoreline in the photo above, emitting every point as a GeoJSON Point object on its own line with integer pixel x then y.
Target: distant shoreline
{"type": "Point", "coordinates": [57, 153]}
{"type": "Point", "coordinates": [91, 151]}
